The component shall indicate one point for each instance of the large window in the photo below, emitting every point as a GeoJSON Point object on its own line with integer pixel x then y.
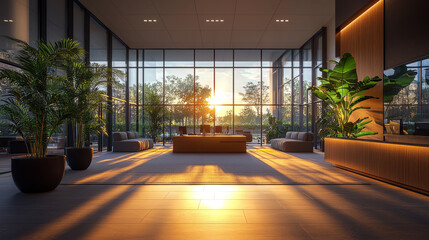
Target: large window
{"type": "Point", "coordinates": [231, 91]}
{"type": "Point", "coordinates": [406, 103]}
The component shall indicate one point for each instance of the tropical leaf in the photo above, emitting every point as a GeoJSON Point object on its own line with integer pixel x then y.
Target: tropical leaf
{"type": "Point", "coordinates": [342, 91]}
{"type": "Point", "coordinates": [365, 133]}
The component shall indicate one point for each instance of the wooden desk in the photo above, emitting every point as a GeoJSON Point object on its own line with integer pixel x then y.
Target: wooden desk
{"type": "Point", "coordinates": [209, 144]}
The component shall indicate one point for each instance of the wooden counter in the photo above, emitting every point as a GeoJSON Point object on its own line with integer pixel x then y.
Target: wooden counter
{"type": "Point", "coordinates": [209, 144]}
{"type": "Point", "coordinates": [400, 164]}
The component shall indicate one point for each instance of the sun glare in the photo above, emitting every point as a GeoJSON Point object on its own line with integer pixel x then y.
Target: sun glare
{"type": "Point", "coordinates": [217, 99]}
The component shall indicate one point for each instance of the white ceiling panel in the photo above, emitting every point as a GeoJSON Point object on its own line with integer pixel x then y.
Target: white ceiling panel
{"type": "Point", "coordinates": [246, 36]}
{"type": "Point", "coordinates": [175, 6]}
{"type": "Point", "coordinates": [257, 6]}
{"type": "Point", "coordinates": [251, 22]}
{"type": "Point", "coordinates": [133, 7]}
{"type": "Point", "coordinates": [211, 7]}
{"type": "Point", "coordinates": [182, 23]}
{"type": "Point", "coordinates": [184, 36]}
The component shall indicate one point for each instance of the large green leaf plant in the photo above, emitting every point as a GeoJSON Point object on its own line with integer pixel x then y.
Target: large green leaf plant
{"type": "Point", "coordinates": [33, 106]}
{"type": "Point", "coordinates": [343, 93]}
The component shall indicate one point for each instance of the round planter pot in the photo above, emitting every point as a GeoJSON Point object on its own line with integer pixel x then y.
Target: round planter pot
{"type": "Point", "coordinates": [34, 175]}
{"type": "Point", "coordinates": [79, 158]}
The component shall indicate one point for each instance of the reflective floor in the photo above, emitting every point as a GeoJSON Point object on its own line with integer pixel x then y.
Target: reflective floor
{"type": "Point", "coordinates": [373, 210]}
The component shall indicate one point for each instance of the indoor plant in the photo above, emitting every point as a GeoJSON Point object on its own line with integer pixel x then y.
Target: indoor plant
{"type": "Point", "coordinates": [275, 128]}
{"type": "Point", "coordinates": [342, 92]}
{"type": "Point", "coordinates": [84, 96]}
{"type": "Point", "coordinates": [33, 108]}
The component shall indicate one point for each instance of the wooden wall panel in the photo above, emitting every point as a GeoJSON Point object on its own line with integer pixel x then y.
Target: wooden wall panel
{"type": "Point", "coordinates": [403, 165]}
{"type": "Point", "coordinates": [363, 38]}
{"type": "Point", "coordinates": [407, 31]}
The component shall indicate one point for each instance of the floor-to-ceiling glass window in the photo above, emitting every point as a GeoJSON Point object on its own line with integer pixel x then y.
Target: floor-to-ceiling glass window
{"type": "Point", "coordinates": [133, 89]}
{"type": "Point", "coordinates": [307, 78]}
{"type": "Point", "coordinates": [406, 103]}
{"type": "Point", "coordinates": [56, 29]}
{"type": "Point", "coordinates": [317, 103]}
{"type": "Point", "coordinates": [222, 90]}
{"type": "Point", "coordinates": [56, 20]}
{"type": "Point", "coordinates": [119, 63]}
{"type": "Point", "coordinates": [98, 54]}
{"type": "Point", "coordinates": [154, 94]}
{"type": "Point", "coordinates": [140, 77]}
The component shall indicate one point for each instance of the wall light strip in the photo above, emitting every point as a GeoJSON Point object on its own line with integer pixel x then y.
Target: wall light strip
{"type": "Point", "coordinates": [350, 21]}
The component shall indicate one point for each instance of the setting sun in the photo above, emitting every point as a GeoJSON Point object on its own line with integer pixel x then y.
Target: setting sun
{"type": "Point", "coordinates": [217, 99]}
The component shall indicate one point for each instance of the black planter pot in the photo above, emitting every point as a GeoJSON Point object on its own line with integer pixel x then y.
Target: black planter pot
{"type": "Point", "coordinates": [34, 175]}
{"type": "Point", "coordinates": [79, 158]}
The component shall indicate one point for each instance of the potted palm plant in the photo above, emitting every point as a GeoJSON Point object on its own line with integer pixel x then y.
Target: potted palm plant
{"type": "Point", "coordinates": [84, 96]}
{"type": "Point", "coordinates": [34, 109]}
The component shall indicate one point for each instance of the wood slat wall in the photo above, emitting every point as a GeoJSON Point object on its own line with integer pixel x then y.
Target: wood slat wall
{"type": "Point", "coordinates": [363, 38]}
{"type": "Point", "coordinates": [403, 165]}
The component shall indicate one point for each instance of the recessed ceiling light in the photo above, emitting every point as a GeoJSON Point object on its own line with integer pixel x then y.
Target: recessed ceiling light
{"type": "Point", "coordinates": [215, 20]}
{"type": "Point", "coordinates": [154, 20]}
{"type": "Point", "coordinates": [7, 20]}
{"type": "Point", "coordinates": [282, 20]}
{"type": "Point", "coordinates": [150, 20]}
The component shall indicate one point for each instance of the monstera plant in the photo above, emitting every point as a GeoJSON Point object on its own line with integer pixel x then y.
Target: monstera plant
{"type": "Point", "coordinates": [344, 94]}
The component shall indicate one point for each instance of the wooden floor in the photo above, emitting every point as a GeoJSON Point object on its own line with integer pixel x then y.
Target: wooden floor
{"type": "Point", "coordinates": [372, 211]}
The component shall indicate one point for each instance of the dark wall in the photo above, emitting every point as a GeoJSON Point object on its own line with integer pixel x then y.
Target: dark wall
{"type": "Point", "coordinates": [406, 31]}
{"type": "Point", "coordinates": [346, 9]}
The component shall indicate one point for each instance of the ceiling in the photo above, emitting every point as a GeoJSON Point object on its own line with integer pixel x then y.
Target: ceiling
{"type": "Point", "coordinates": [182, 23]}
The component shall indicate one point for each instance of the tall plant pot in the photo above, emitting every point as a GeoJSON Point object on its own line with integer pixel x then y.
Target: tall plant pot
{"type": "Point", "coordinates": [79, 158]}
{"type": "Point", "coordinates": [34, 175]}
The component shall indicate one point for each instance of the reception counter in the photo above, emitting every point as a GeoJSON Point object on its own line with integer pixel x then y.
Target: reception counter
{"type": "Point", "coordinates": [400, 164]}
{"type": "Point", "coordinates": [209, 144]}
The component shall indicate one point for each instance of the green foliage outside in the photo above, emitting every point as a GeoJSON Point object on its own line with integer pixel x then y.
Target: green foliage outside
{"type": "Point", "coordinates": [393, 85]}
{"type": "Point", "coordinates": [342, 92]}
{"type": "Point", "coordinates": [154, 111]}
{"type": "Point", "coordinates": [275, 128]}
{"type": "Point", "coordinates": [180, 91]}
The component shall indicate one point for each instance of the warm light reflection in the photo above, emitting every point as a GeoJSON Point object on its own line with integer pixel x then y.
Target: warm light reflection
{"type": "Point", "coordinates": [363, 14]}
{"type": "Point", "coordinates": [80, 213]}
{"type": "Point", "coordinates": [281, 168]}
{"type": "Point", "coordinates": [215, 204]}
{"type": "Point", "coordinates": [134, 160]}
